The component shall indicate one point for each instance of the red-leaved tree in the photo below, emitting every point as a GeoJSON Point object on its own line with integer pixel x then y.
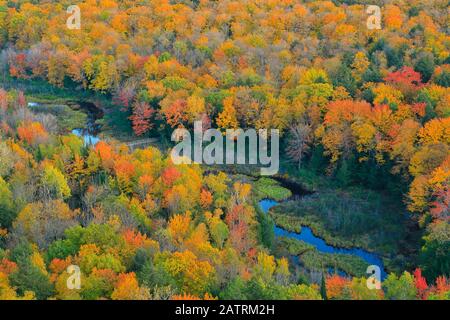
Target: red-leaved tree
{"type": "Point", "coordinates": [141, 118]}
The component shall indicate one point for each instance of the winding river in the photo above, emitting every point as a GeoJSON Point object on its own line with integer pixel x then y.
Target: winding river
{"type": "Point", "coordinates": [306, 235]}
{"type": "Point", "coordinates": [90, 136]}
{"type": "Point", "coordinates": [89, 133]}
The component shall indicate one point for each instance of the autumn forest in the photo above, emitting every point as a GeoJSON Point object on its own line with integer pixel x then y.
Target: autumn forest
{"type": "Point", "coordinates": [93, 207]}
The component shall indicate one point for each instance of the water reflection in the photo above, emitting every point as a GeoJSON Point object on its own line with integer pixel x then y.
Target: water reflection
{"type": "Point", "coordinates": [88, 138]}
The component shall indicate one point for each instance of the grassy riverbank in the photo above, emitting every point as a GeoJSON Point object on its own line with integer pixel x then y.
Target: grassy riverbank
{"type": "Point", "coordinates": [66, 117]}
{"type": "Point", "coordinates": [266, 188]}
{"type": "Point", "coordinates": [312, 259]}
{"type": "Point", "coordinates": [115, 123]}
{"type": "Point", "coordinates": [348, 218]}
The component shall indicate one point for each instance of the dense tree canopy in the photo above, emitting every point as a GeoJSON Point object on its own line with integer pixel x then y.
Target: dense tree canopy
{"type": "Point", "coordinates": [366, 107]}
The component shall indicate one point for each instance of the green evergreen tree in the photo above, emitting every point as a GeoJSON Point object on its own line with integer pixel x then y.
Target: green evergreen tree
{"type": "Point", "coordinates": [323, 288]}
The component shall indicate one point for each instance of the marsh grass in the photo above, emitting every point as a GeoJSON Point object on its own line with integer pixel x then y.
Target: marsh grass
{"type": "Point", "coordinates": [267, 188]}
{"type": "Point", "coordinates": [312, 259]}
{"type": "Point", "coordinates": [351, 218]}
{"type": "Point", "coordinates": [67, 118]}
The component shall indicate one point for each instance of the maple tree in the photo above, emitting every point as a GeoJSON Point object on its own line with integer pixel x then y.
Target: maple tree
{"type": "Point", "coordinates": [32, 133]}
{"type": "Point", "coordinates": [141, 118]}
